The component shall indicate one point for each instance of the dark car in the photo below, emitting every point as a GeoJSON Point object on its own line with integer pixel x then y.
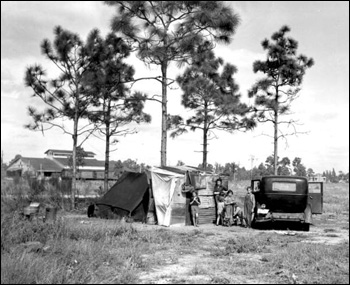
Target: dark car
{"type": "Point", "coordinates": [287, 198]}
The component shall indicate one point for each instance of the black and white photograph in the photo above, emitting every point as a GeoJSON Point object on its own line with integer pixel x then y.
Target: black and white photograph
{"type": "Point", "coordinates": [175, 142]}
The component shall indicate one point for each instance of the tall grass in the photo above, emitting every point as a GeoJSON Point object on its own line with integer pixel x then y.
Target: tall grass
{"type": "Point", "coordinates": [336, 198]}
{"type": "Point", "coordinates": [73, 251]}
{"type": "Point", "coordinates": [79, 250]}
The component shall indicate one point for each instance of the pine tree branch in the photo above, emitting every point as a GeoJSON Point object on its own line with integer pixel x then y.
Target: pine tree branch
{"type": "Point", "coordinates": [154, 99]}
{"type": "Point", "coordinates": [90, 133]}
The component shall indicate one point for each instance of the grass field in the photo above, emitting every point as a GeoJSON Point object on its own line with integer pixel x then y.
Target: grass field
{"type": "Point", "coordinates": [76, 249]}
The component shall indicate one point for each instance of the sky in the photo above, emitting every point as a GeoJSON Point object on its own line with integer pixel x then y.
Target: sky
{"type": "Point", "coordinates": [322, 108]}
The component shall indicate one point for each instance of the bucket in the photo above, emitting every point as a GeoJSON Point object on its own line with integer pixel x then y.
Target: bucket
{"type": "Point", "coordinates": [50, 214]}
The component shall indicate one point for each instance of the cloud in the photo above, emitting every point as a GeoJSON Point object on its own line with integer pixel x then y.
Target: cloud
{"type": "Point", "coordinates": [15, 139]}
{"type": "Point", "coordinates": [35, 21]}
{"type": "Point", "coordinates": [324, 116]}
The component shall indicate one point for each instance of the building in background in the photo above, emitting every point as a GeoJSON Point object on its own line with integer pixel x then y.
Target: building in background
{"type": "Point", "coordinates": [34, 167]}
{"type": "Point", "coordinates": [56, 164]}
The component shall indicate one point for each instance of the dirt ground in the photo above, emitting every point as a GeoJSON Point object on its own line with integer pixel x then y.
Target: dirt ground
{"type": "Point", "coordinates": [326, 229]}
{"type": "Point", "coordinates": [206, 261]}
{"type": "Point", "coordinates": [200, 264]}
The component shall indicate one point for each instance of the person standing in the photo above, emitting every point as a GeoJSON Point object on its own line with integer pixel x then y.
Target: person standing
{"type": "Point", "coordinates": [219, 194]}
{"type": "Point", "coordinates": [229, 208]}
{"type": "Point", "coordinates": [194, 203]}
{"type": "Point", "coordinates": [218, 188]}
{"type": "Point", "coordinates": [220, 204]}
{"type": "Point", "coordinates": [249, 206]}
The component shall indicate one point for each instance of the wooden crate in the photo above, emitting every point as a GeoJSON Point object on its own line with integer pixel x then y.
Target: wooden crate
{"type": "Point", "coordinates": [207, 215]}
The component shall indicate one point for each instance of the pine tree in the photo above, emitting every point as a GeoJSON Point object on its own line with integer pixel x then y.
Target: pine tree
{"type": "Point", "coordinates": [299, 168]}
{"type": "Point", "coordinates": [269, 162]}
{"type": "Point", "coordinates": [310, 173]}
{"type": "Point", "coordinates": [214, 98]}
{"type": "Point", "coordinates": [334, 177]}
{"type": "Point", "coordinates": [64, 96]}
{"type": "Point", "coordinates": [107, 80]}
{"type": "Point", "coordinates": [283, 168]}
{"type": "Point", "coordinates": [284, 71]}
{"type": "Point", "coordinates": [168, 31]}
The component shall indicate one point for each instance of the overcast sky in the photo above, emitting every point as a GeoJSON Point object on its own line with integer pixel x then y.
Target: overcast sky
{"type": "Point", "coordinates": [321, 28]}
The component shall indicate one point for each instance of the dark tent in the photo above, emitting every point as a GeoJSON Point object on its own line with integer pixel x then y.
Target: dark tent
{"type": "Point", "coordinates": [129, 196]}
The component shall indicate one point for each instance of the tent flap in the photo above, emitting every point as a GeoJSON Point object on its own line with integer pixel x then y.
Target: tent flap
{"type": "Point", "coordinates": [163, 190]}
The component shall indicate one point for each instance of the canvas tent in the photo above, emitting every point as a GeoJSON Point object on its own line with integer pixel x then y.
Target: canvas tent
{"type": "Point", "coordinates": [129, 196]}
{"type": "Point", "coordinates": [159, 192]}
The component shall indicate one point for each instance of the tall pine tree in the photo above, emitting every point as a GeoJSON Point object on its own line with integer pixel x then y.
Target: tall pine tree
{"type": "Point", "coordinates": [214, 98]}
{"type": "Point", "coordinates": [168, 31]}
{"type": "Point", "coordinates": [284, 71]}
{"type": "Point", "coordinates": [116, 107]}
{"type": "Point", "coordinates": [65, 96]}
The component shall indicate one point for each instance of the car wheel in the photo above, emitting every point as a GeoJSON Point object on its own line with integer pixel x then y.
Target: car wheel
{"type": "Point", "coordinates": [305, 227]}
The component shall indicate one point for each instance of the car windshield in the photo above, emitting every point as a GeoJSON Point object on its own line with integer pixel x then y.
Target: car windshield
{"type": "Point", "coordinates": [284, 187]}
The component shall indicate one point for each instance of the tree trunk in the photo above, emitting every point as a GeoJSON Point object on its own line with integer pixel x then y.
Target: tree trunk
{"type": "Point", "coordinates": [275, 138]}
{"type": "Point", "coordinates": [105, 183]}
{"type": "Point", "coordinates": [275, 149]}
{"type": "Point", "coordinates": [107, 122]}
{"type": "Point", "coordinates": [163, 151]}
{"type": "Point", "coordinates": [205, 151]}
{"type": "Point", "coordinates": [205, 137]}
{"type": "Point", "coordinates": [74, 162]}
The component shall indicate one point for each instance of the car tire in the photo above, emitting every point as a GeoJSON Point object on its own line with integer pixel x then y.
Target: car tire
{"type": "Point", "coordinates": [305, 227]}
{"type": "Point", "coordinates": [253, 223]}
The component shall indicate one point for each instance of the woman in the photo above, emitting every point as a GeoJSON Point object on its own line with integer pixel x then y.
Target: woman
{"type": "Point", "coordinates": [218, 188]}
{"type": "Point", "coordinates": [249, 206]}
{"type": "Point", "coordinates": [229, 203]}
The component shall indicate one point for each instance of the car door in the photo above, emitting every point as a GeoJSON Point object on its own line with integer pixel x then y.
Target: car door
{"type": "Point", "coordinates": [315, 198]}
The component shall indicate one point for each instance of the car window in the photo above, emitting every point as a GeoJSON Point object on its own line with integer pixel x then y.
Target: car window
{"type": "Point", "coordinates": [314, 188]}
{"type": "Point", "coordinates": [256, 186]}
{"type": "Point", "coordinates": [284, 187]}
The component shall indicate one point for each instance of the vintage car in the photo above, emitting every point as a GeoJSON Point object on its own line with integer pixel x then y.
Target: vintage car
{"type": "Point", "coordinates": [287, 198]}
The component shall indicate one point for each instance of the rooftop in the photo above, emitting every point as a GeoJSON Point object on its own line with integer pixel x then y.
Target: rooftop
{"type": "Point", "coordinates": [87, 162]}
{"type": "Point", "coordinates": [60, 151]}
{"type": "Point", "coordinates": [40, 164]}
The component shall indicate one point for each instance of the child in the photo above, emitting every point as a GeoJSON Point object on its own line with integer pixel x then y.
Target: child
{"type": "Point", "coordinates": [220, 203]}
{"type": "Point", "coordinates": [195, 202]}
{"type": "Point", "coordinates": [249, 205]}
{"type": "Point", "coordinates": [238, 215]}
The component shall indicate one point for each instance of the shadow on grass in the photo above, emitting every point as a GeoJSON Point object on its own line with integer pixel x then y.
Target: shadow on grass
{"type": "Point", "coordinates": [280, 225]}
